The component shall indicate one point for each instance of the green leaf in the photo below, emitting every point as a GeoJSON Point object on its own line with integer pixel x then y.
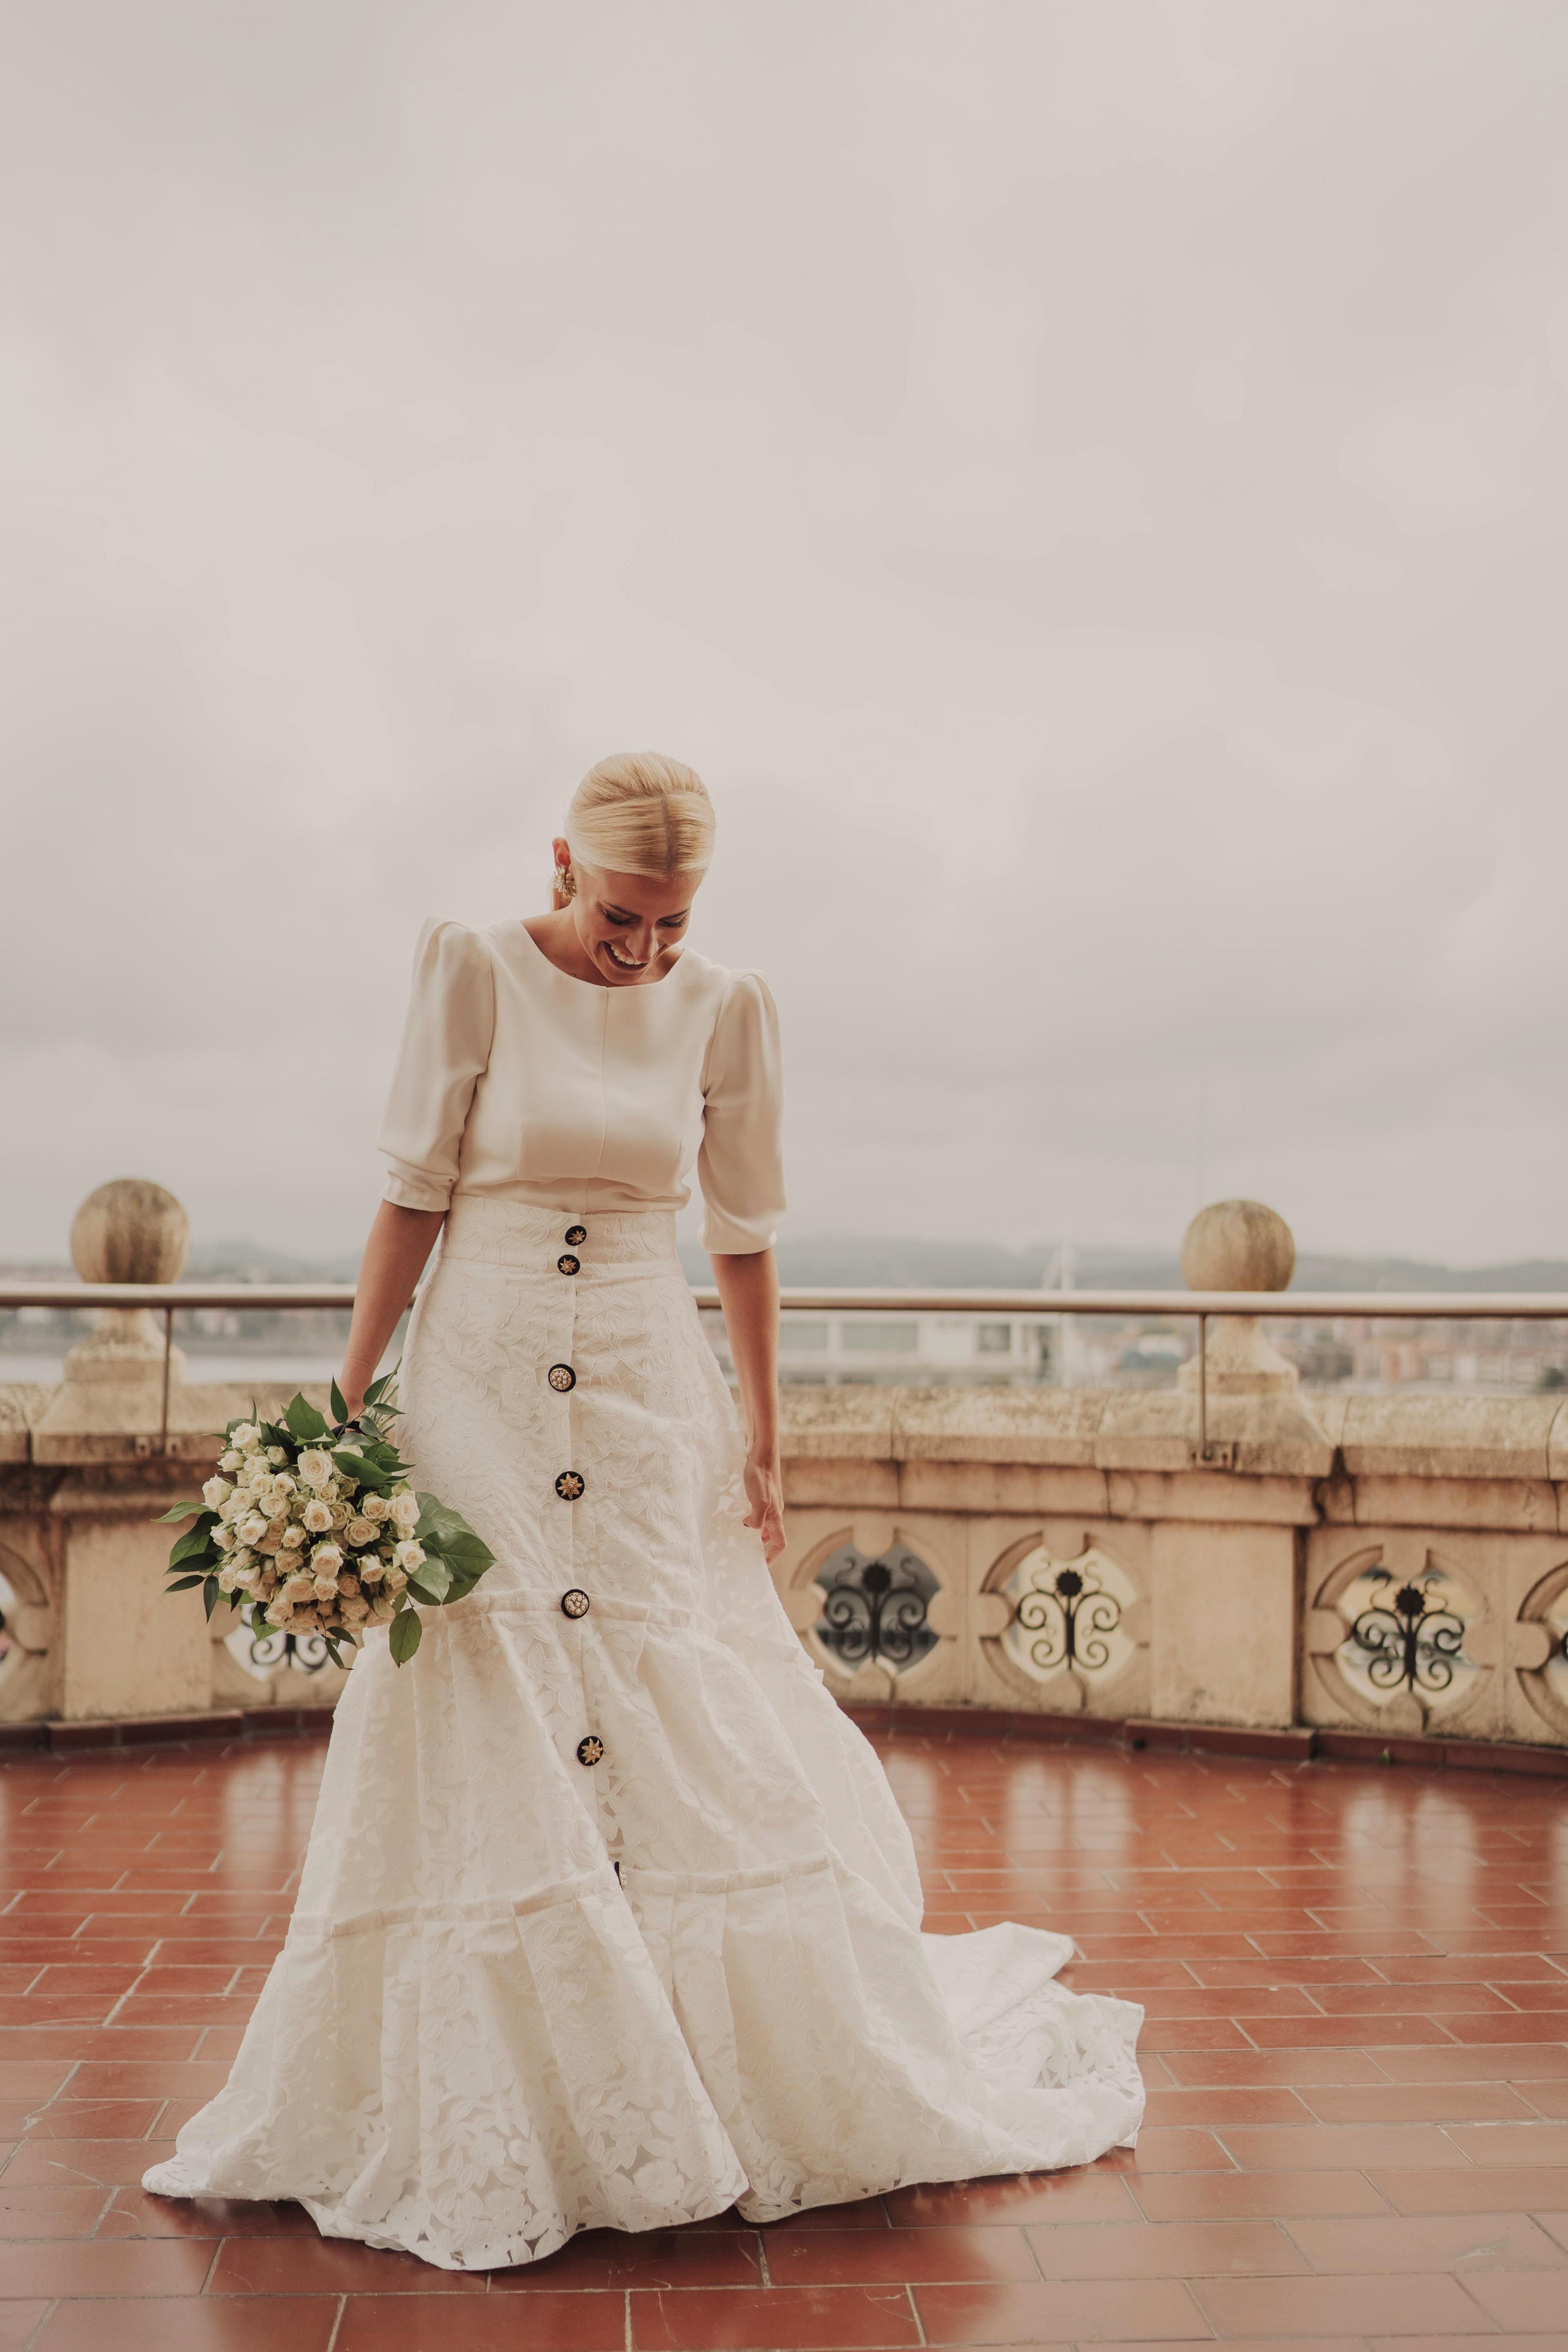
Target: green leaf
{"type": "Point", "coordinates": [361, 1467]}
{"type": "Point", "coordinates": [184, 1584]}
{"type": "Point", "coordinates": [378, 1391]}
{"type": "Point", "coordinates": [332, 1650]}
{"type": "Point", "coordinates": [182, 1511]}
{"type": "Point", "coordinates": [211, 1594]}
{"type": "Point", "coordinates": [194, 1545]}
{"type": "Point", "coordinates": [303, 1421]}
{"type": "Point", "coordinates": [438, 1523]}
{"type": "Point", "coordinates": [467, 1555]}
{"type": "Point", "coordinates": [340, 1410]}
{"type": "Point", "coordinates": [403, 1635]}
{"type": "Point", "coordinates": [433, 1582]}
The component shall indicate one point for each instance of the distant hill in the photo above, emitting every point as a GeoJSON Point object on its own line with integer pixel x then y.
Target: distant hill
{"type": "Point", "coordinates": [850, 1261]}
{"type": "Point", "coordinates": [856, 1260]}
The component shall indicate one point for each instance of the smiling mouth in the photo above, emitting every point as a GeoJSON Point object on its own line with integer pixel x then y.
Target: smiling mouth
{"type": "Point", "coordinates": [616, 956]}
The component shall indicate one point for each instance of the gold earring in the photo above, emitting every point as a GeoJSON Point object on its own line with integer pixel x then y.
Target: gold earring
{"type": "Point", "coordinates": [566, 881]}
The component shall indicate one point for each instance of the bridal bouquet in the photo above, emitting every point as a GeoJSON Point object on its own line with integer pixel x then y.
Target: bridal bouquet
{"type": "Point", "coordinates": [312, 1528]}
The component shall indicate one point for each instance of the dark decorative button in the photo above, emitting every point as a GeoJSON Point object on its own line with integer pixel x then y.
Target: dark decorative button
{"type": "Point", "coordinates": [575, 1603]}
{"type": "Point", "coordinates": [568, 1265]}
{"type": "Point", "coordinates": [562, 1377]}
{"type": "Point", "coordinates": [569, 1485]}
{"type": "Point", "coordinates": [575, 1235]}
{"type": "Point", "coordinates": [590, 1750]}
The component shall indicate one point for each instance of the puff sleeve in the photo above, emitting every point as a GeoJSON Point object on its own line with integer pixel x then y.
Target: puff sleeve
{"type": "Point", "coordinates": [445, 1047]}
{"type": "Point", "coordinates": [740, 1166]}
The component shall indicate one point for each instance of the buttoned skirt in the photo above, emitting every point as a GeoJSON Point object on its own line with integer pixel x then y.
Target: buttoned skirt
{"type": "Point", "coordinates": [609, 1917]}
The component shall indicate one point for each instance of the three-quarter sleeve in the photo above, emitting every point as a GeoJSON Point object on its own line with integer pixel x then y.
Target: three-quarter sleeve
{"type": "Point", "coordinates": [740, 1166]}
{"type": "Point", "coordinates": [445, 1047]}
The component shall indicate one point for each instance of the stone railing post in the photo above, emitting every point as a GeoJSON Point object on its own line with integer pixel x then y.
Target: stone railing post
{"type": "Point", "coordinates": [1226, 1612]}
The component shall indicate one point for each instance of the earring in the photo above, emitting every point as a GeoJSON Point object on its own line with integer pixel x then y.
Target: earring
{"type": "Point", "coordinates": [565, 882]}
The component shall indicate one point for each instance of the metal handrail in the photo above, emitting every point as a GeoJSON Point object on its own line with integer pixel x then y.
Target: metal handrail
{"type": "Point", "coordinates": [170, 1298]}
{"type": "Point", "coordinates": [1491, 1306]}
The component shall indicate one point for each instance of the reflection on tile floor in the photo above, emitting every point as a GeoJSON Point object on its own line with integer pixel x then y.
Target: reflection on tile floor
{"type": "Point", "coordinates": [1357, 1984]}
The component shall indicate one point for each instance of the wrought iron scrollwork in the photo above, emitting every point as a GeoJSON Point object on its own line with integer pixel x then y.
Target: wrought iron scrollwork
{"type": "Point", "coordinates": [1071, 1614]}
{"type": "Point", "coordinates": [1412, 1642]}
{"type": "Point", "coordinates": [306, 1653]}
{"type": "Point", "coordinates": [874, 1611]}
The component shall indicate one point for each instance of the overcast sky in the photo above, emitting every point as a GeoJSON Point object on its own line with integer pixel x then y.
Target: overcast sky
{"type": "Point", "coordinates": [1084, 483]}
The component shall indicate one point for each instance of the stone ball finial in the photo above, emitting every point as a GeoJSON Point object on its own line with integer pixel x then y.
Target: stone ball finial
{"type": "Point", "coordinates": [1237, 1246]}
{"type": "Point", "coordinates": [131, 1230]}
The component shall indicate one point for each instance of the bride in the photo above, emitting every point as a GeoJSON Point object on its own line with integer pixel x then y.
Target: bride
{"type": "Point", "coordinates": [609, 1918]}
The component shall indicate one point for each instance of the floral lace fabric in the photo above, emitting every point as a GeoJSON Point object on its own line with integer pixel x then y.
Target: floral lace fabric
{"type": "Point", "coordinates": [523, 1995]}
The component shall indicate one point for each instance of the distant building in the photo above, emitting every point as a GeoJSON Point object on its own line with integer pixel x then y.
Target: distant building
{"type": "Point", "coordinates": [919, 1350]}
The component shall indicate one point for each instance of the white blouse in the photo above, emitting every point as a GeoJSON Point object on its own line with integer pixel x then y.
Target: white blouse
{"type": "Point", "coordinates": [517, 1082]}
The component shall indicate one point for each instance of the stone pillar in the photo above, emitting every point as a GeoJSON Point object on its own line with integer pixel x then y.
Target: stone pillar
{"type": "Point", "coordinates": [121, 1647]}
{"type": "Point", "coordinates": [1225, 1604]}
{"type": "Point", "coordinates": [110, 1404]}
{"type": "Point", "coordinates": [1238, 1245]}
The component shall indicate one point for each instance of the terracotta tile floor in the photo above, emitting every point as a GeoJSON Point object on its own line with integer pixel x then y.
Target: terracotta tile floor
{"type": "Point", "coordinates": [1357, 1984]}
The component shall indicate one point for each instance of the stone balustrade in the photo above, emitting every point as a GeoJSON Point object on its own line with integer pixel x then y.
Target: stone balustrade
{"type": "Point", "coordinates": [1391, 1567]}
{"type": "Point", "coordinates": [1075, 1560]}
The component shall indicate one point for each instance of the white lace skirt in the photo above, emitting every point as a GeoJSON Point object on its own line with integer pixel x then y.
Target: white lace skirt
{"type": "Point", "coordinates": [610, 1918]}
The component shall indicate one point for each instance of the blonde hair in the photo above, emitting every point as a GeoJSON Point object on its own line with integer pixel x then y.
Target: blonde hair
{"type": "Point", "coordinates": [638, 814]}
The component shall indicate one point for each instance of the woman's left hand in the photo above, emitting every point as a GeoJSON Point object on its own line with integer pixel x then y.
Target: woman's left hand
{"type": "Point", "coordinates": [765, 1493]}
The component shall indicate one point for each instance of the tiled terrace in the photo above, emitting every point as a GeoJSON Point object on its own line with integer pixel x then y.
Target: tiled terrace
{"type": "Point", "coordinates": [1357, 1988]}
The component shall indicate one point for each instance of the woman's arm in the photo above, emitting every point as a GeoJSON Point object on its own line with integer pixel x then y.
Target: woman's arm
{"type": "Point", "coordinates": [401, 1241]}
{"type": "Point", "coordinates": [748, 1293]}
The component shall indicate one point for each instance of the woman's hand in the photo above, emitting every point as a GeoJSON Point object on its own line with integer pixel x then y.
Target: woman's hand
{"type": "Point", "coordinates": [765, 1493]}
{"type": "Point", "coordinates": [748, 1293]}
{"type": "Point", "coordinates": [401, 1241]}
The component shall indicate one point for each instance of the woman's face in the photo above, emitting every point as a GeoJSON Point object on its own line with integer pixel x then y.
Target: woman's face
{"type": "Point", "coordinates": [631, 926]}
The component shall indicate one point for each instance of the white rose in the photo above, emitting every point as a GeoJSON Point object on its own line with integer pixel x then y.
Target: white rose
{"type": "Point", "coordinates": [405, 1508]}
{"type": "Point", "coordinates": [233, 1506]}
{"type": "Point", "coordinates": [348, 1583]}
{"type": "Point", "coordinates": [298, 1588]}
{"type": "Point", "coordinates": [293, 1535]}
{"type": "Point", "coordinates": [228, 1579]}
{"type": "Point", "coordinates": [251, 1531]}
{"type": "Point", "coordinates": [271, 1539]}
{"type": "Point", "coordinates": [245, 1436]}
{"type": "Point", "coordinates": [326, 1588]}
{"type": "Point", "coordinates": [360, 1531]}
{"type": "Point", "coordinates": [284, 1485]}
{"type": "Point", "coordinates": [276, 1455]}
{"type": "Point", "coordinates": [371, 1572]}
{"type": "Point", "coordinates": [314, 1466]}
{"type": "Point", "coordinates": [376, 1506]}
{"type": "Point", "coordinates": [230, 1461]}
{"type": "Point", "coordinates": [382, 1610]}
{"type": "Point", "coordinates": [245, 1580]}
{"type": "Point", "coordinates": [396, 1579]}
{"type": "Point", "coordinates": [216, 1491]}
{"type": "Point", "coordinates": [409, 1555]}
{"type": "Point", "coordinates": [242, 1558]}
{"type": "Point", "coordinates": [317, 1516]}
{"type": "Point", "coordinates": [224, 1538]}
{"type": "Point", "coordinates": [307, 1621]}
{"type": "Point", "coordinates": [355, 1611]}
{"type": "Point", "coordinates": [279, 1611]}
{"type": "Point", "coordinates": [327, 1560]}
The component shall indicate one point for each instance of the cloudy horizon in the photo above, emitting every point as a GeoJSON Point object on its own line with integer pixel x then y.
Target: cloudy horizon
{"type": "Point", "coordinates": [1084, 484]}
